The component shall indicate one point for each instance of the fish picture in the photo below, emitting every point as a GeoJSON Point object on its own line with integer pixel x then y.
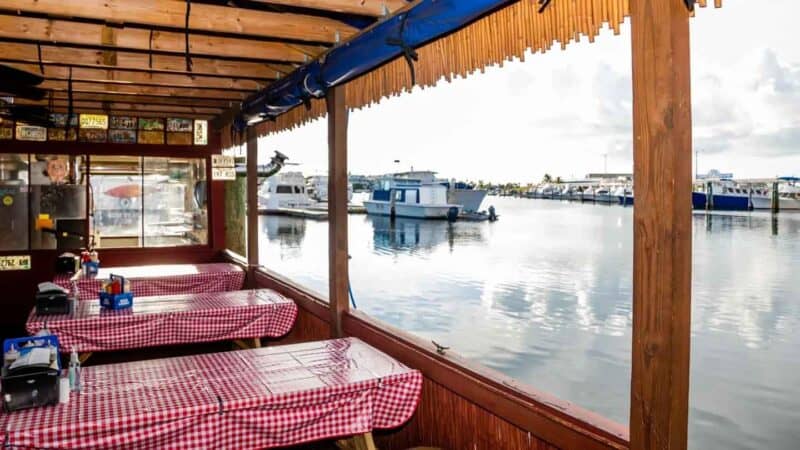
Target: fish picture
{"type": "Point", "coordinates": [122, 136]}
{"type": "Point", "coordinates": [92, 135]}
{"type": "Point", "coordinates": [181, 125]}
{"type": "Point", "coordinates": [151, 137]}
{"type": "Point", "coordinates": [151, 124]}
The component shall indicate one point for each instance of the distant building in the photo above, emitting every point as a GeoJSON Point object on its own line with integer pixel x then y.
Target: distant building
{"type": "Point", "coordinates": [715, 174]}
{"type": "Point", "coordinates": [609, 176]}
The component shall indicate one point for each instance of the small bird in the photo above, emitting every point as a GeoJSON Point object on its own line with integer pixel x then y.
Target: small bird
{"type": "Point", "coordinates": [440, 349]}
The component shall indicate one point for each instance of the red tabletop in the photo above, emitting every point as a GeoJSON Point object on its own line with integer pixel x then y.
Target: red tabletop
{"type": "Point", "coordinates": [260, 398]}
{"type": "Point", "coordinates": [163, 279]}
{"type": "Point", "coordinates": [170, 319]}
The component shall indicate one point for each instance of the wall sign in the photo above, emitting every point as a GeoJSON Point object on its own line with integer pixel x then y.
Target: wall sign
{"type": "Point", "coordinates": [95, 121]}
{"type": "Point", "coordinates": [222, 161]}
{"type": "Point", "coordinates": [31, 133]}
{"type": "Point", "coordinates": [223, 173]}
{"type": "Point", "coordinates": [200, 132]}
{"type": "Point", "coordinates": [17, 262]}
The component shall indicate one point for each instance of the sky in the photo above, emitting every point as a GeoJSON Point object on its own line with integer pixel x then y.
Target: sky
{"type": "Point", "coordinates": [568, 113]}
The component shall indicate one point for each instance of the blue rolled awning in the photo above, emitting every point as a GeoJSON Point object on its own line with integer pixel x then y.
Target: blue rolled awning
{"type": "Point", "coordinates": [379, 44]}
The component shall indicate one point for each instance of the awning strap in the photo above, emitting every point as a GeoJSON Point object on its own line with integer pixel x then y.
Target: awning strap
{"type": "Point", "coordinates": [188, 55]}
{"type": "Point", "coordinates": [39, 51]}
{"type": "Point", "coordinates": [409, 53]}
{"type": "Point", "coordinates": [150, 50]}
{"type": "Point", "coordinates": [543, 5]}
{"type": "Point", "coordinates": [68, 127]}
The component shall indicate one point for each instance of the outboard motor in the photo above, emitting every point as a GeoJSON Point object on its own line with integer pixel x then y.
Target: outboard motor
{"type": "Point", "coordinates": [452, 214]}
{"type": "Point", "coordinates": [492, 214]}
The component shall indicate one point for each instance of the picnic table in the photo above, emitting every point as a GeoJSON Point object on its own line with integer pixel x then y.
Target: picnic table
{"type": "Point", "coordinates": [169, 320]}
{"type": "Point", "coordinates": [247, 399]}
{"type": "Point", "coordinates": [161, 279]}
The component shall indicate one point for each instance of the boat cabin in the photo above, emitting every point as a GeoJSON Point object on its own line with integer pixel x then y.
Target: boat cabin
{"type": "Point", "coordinates": [117, 125]}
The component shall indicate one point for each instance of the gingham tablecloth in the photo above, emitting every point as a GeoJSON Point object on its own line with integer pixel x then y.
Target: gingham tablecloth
{"type": "Point", "coordinates": [170, 319]}
{"type": "Point", "coordinates": [163, 279]}
{"type": "Point", "coordinates": [249, 399]}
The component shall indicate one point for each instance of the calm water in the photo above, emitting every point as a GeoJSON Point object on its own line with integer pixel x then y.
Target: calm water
{"type": "Point", "coordinates": [544, 295]}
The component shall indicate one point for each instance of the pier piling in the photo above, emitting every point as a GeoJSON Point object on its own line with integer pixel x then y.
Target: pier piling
{"type": "Point", "coordinates": [776, 204]}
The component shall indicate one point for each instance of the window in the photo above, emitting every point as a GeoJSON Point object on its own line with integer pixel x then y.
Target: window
{"type": "Point", "coordinates": [283, 189]}
{"type": "Point", "coordinates": [175, 202]}
{"type": "Point", "coordinates": [13, 201]}
{"type": "Point", "coordinates": [151, 202]}
{"type": "Point", "coordinates": [116, 201]}
{"type": "Point", "coordinates": [57, 201]}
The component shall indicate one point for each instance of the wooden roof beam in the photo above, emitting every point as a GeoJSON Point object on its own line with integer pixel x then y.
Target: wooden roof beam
{"type": "Point", "coordinates": [131, 108]}
{"type": "Point", "coordinates": [100, 96]}
{"type": "Point", "coordinates": [59, 32]}
{"type": "Point", "coordinates": [137, 113]}
{"type": "Point", "coordinates": [141, 62]}
{"type": "Point", "coordinates": [190, 92]}
{"type": "Point", "coordinates": [202, 18]}
{"type": "Point", "coordinates": [373, 8]}
{"type": "Point", "coordinates": [113, 76]}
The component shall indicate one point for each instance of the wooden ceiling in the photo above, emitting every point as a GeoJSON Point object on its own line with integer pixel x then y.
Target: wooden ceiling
{"type": "Point", "coordinates": [130, 56]}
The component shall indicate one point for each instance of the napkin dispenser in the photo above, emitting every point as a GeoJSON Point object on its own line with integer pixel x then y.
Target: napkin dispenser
{"type": "Point", "coordinates": [32, 380]}
{"type": "Point", "coordinates": [52, 299]}
{"type": "Point", "coordinates": [67, 263]}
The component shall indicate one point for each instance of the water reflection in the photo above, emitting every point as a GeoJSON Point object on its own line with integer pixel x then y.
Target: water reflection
{"type": "Point", "coordinates": [417, 235]}
{"type": "Point", "coordinates": [544, 295]}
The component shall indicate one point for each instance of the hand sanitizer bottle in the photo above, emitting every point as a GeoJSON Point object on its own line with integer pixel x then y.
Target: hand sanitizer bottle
{"type": "Point", "coordinates": [74, 371]}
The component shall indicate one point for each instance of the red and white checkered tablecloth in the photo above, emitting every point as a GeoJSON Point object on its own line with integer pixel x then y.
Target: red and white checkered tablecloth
{"type": "Point", "coordinates": [170, 319]}
{"type": "Point", "coordinates": [249, 399]}
{"type": "Point", "coordinates": [163, 279]}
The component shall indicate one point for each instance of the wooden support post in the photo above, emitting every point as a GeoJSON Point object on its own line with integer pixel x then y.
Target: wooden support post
{"type": "Point", "coordinates": [338, 271]}
{"type": "Point", "coordinates": [662, 254]}
{"type": "Point", "coordinates": [252, 198]}
{"type": "Point", "coordinates": [776, 201]}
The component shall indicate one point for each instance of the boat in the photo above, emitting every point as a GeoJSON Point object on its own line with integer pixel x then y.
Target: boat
{"type": "Point", "coordinates": [407, 197]}
{"type": "Point", "coordinates": [284, 190]}
{"type": "Point", "coordinates": [726, 195]}
{"type": "Point", "coordinates": [788, 195]}
{"type": "Point", "coordinates": [624, 195]}
{"type": "Point", "coordinates": [458, 192]}
{"type": "Point", "coordinates": [317, 188]}
{"type": "Point", "coordinates": [603, 194]}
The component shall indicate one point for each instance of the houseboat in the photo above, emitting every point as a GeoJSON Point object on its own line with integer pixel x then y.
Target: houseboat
{"type": "Point", "coordinates": [458, 192]}
{"type": "Point", "coordinates": [179, 89]}
{"type": "Point", "coordinates": [407, 197]}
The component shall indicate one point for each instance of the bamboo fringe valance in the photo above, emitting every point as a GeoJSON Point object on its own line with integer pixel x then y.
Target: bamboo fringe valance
{"type": "Point", "coordinates": [501, 36]}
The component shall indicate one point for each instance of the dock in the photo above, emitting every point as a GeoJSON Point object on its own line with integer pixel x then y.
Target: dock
{"type": "Point", "coordinates": [317, 212]}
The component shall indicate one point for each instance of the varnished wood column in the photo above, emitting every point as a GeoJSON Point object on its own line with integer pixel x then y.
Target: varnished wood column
{"type": "Point", "coordinates": [662, 259]}
{"type": "Point", "coordinates": [252, 198]}
{"type": "Point", "coordinates": [338, 270]}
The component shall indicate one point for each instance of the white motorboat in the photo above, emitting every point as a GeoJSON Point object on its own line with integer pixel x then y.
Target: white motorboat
{"type": "Point", "coordinates": [603, 194]}
{"type": "Point", "coordinates": [284, 190]}
{"type": "Point", "coordinates": [788, 196]}
{"type": "Point", "coordinates": [406, 197]}
{"type": "Point", "coordinates": [317, 188]}
{"type": "Point", "coordinates": [624, 195]}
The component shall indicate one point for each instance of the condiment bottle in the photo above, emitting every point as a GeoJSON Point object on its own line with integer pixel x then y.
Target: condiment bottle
{"type": "Point", "coordinates": [74, 371]}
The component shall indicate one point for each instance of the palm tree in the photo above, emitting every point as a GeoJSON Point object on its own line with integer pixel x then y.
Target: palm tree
{"type": "Point", "coordinates": [547, 178]}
